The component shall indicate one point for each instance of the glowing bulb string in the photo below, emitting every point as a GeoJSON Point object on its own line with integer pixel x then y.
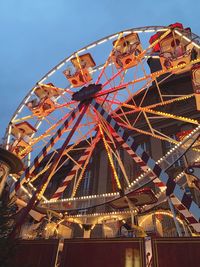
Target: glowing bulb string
{"type": "Point", "coordinates": [108, 131]}
{"type": "Point", "coordinates": [110, 158]}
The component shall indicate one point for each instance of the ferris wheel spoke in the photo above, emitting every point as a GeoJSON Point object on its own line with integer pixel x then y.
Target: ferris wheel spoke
{"type": "Point", "coordinates": [162, 114]}
{"type": "Point", "coordinates": [167, 138]}
{"type": "Point", "coordinates": [27, 147]}
{"type": "Point", "coordinates": [114, 150]}
{"type": "Point", "coordinates": [170, 101]}
{"type": "Point", "coordinates": [122, 117]}
{"type": "Point", "coordinates": [144, 96]}
{"type": "Point", "coordinates": [29, 117]}
{"type": "Point", "coordinates": [85, 164]}
{"type": "Point", "coordinates": [158, 104]}
{"type": "Point", "coordinates": [159, 91]}
{"type": "Point", "coordinates": [149, 176]}
{"type": "Point", "coordinates": [149, 162]}
{"type": "Point", "coordinates": [159, 135]}
{"type": "Point", "coordinates": [37, 174]}
{"type": "Point", "coordinates": [125, 118]}
{"type": "Point", "coordinates": [162, 102]}
{"type": "Point", "coordinates": [110, 159]}
{"type": "Point", "coordinates": [108, 101]}
{"type": "Point", "coordinates": [83, 159]}
{"type": "Point", "coordinates": [15, 187]}
{"type": "Point", "coordinates": [48, 175]}
{"type": "Point", "coordinates": [107, 79]}
{"type": "Point", "coordinates": [145, 89]}
{"type": "Point", "coordinates": [35, 177]}
{"type": "Point", "coordinates": [171, 116]}
{"type": "Point", "coordinates": [67, 100]}
{"type": "Point", "coordinates": [137, 118]}
{"type": "Point", "coordinates": [48, 132]}
{"type": "Point", "coordinates": [148, 122]}
{"type": "Point", "coordinates": [112, 78]}
{"type": "Point", "coordinates": [138, 58]}
{"type": "Point", "coordinates": [48, 121]}
{"type": "Point", "coordinates": [66, 105]}
{"type": "Point", "coordinates": [123, 86]}
{"type": "Point", "coordinates": [120, 82]}
{"type": "Point", "coordinates": [151, 77]}
{"type": "Point", "coordinates": [70, 149]}
{"type": "Point", "coordinates": [107, 61]}
{"type": "Point", "coordinates": [122, 167]}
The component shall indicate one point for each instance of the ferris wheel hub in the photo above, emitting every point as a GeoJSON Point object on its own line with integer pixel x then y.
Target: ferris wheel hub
{"type": "Point", "coordinates": [87, 92]}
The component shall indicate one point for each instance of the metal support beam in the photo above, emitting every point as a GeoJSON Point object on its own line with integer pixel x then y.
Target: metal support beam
{"type": "Point", "coordinates": [49, 173]}
{"type": "Point", "coordinates": [174, 217]}
{"type": "Point", "coordinates": [173, 187]}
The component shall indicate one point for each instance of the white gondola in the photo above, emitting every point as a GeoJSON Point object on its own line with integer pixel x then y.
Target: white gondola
{"type": "Point", "coordinates": [81, 74]}
{"type": "Point", "coordinates": [174, 52]}
{"type": "Point", "coordinates": [126, 50]}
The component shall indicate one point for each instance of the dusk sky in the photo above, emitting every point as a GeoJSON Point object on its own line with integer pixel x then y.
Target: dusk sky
{"type": "Point", "coordinates": [36, 35]}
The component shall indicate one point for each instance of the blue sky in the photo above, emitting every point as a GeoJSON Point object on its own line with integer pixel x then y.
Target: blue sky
{"type": "Point", "coordinates": [36, 35]}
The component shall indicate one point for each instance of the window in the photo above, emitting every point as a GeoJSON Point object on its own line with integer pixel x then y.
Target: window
{"type": "Point", "coordinates": [86, 183]}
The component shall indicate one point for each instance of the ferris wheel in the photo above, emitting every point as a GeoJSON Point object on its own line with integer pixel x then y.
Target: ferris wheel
{"type": "Point", "coordinates": [111, 94]}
